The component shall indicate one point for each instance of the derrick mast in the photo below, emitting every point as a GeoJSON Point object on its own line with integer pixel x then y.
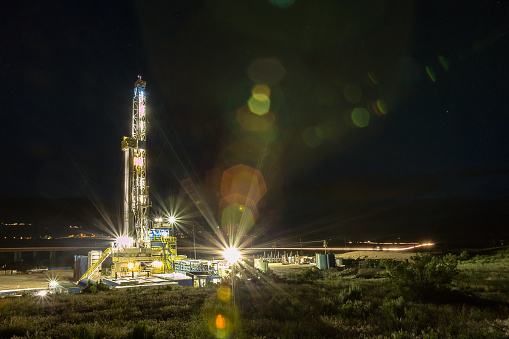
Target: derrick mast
{"type": "Point", "coordinates": [136, 199]}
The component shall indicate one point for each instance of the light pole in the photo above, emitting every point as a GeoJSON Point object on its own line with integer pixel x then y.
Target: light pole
{"type": "Point", "coordinates": [194, 244]}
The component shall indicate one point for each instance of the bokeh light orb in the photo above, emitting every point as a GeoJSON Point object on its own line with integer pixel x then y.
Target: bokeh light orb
{"type": "Point", "coordinates": [431, 73]}
{"type": "Point", "coordinates": [352, 93]}
{"type": "Point", "coordinates": [243, 180]}
{"type": "Point", "coordinates": [261, 92]}
{"type": "Point", "coordinates": [224, 293]}
{"type": "Point", "coordinates": [382, 106]}
{"type": "Point", "coordinates": [266, 71]}
{"type": "Point", "coordinates": [238, 216]}
{"type": "Point", "coordinates": [312, 136]}
{"type": "Point", "coordinates": [373, 78]}
{"type": "Point", "coordinates": [360, 117]}
{"type": "Point", "coordinates": [254, 122]}
{"type": "Point", "coordinates": [258, 107]}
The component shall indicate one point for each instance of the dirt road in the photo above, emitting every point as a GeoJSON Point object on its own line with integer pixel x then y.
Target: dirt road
{"type": "Point", "coordinates": [35, 280]}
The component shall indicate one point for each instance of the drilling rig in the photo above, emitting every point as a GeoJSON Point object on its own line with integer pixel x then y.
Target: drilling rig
{"type": "Point", "coordinates": [136, 199]}
{"type": "Point", "coordinates": [142, 247]}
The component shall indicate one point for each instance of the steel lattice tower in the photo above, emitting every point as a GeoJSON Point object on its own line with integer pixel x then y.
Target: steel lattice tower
{"type": "Point", "coordinates": [136, 199]}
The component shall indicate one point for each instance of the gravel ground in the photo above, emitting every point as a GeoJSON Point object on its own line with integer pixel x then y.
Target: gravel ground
{"type": "Point", "coordinates": [361, 255]}
{"type": "Point", "coordinates": [281, 270]}
{"type": "Point", "coordinates": [35, 280]}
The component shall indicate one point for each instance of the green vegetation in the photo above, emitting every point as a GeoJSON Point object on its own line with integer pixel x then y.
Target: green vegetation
{"type": "Point", "coordinates": [424, 277]}
{"type": "Point", "coordinates": [431, 296]}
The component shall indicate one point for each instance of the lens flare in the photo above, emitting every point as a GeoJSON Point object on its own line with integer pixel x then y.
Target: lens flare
{"type": "Point", "coordinates": [431, 73]}
{"type": "Point", "coordinates": [254, 122]}
{"type": "Point", "coordinates": [444, 62]}
{"type": "Point", "coordinates": [312, 136]}
{"type": "Point", "coordinates": [224, 293]}
{"type": "Point", "coordinates": [261, 93]}
{"type": "Point", "coordinates": [352, 93]}
{"type": "Point", "coordinates": [360, 117]}
{"type": "Point", "coordinates": [382, 106]}
{"type": "Point", "coordinates": [220, 321]}
{"type": "Point", "coordinates": [266, 71]}
{"type": "Point", "coordinates": [259, 107]}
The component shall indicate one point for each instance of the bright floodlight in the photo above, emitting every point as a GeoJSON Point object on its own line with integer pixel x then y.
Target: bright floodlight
{"type": "Point", "coordinates": [157, 264]}
{"type": "Point", "coordinates": [42, 293]}
{"type": "Point", "coordinates": [232, 255]}
{"type": "Point", "coordinates": [124, 241]}
{"type": "Point", "coordinates": [130, 266]}
{"type": "Point", "coordinates": [172, 219]}
{"type": "Point", "coordinates": [53, 284]}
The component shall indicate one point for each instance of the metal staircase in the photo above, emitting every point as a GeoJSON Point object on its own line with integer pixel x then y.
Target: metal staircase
{"type": "Point", "coordinates": [96, 265]}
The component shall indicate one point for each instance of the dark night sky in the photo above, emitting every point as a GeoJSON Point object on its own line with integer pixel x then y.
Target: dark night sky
{"type": "Point", "coordinates": [435, 164]}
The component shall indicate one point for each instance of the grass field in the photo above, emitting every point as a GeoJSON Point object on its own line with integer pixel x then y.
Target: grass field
{"type": "Point", "coordinates": [299, 303]}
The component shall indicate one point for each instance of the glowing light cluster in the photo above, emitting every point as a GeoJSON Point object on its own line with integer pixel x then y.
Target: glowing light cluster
{"type": "Point", "coordinates": [124, 241]}
{"type": "Point", "coordinates": [157, 264]}
{"type": "Point", "coordinates": [138, 162]}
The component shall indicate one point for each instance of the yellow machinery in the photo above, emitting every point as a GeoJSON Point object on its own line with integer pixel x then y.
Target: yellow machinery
{"type": "Point", "coordinates": [158, 258]}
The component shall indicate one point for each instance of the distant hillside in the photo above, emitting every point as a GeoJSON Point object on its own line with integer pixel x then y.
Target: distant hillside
{"type": "Point", "coordinates": [53, 216]}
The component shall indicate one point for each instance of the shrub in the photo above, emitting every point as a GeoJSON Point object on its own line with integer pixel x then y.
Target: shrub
{"type": "Point", "coordinates": [354, 292]}
{"type": "Point", "coordinates": [309, 275]}
{"type": "Point", "coordinates": [394, 307]}
{"type": "Point", "coordinates": [463, 256]}
{"type": "Point", "coordinates": [142, 331]}
{"type": "Point", "coordinates": [424, 275]}
{"type": "Point", "coordinates": [84, 332]}
{"type": "Point", "coordinates": [94, 288]}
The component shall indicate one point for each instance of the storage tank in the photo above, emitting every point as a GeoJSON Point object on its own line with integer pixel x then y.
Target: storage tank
{"type": "Point", "coordinates": [80, 266]}
{"type": "Point", "coordinates": [321, 261]}
{"type": "Point", "coordinates": [264, 266]}
{"type": "Point", "coordinates": [331, 260]}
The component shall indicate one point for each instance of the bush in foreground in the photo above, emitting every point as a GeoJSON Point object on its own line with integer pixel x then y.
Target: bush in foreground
{"type": "Point", "coordinates": [424, 275]}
